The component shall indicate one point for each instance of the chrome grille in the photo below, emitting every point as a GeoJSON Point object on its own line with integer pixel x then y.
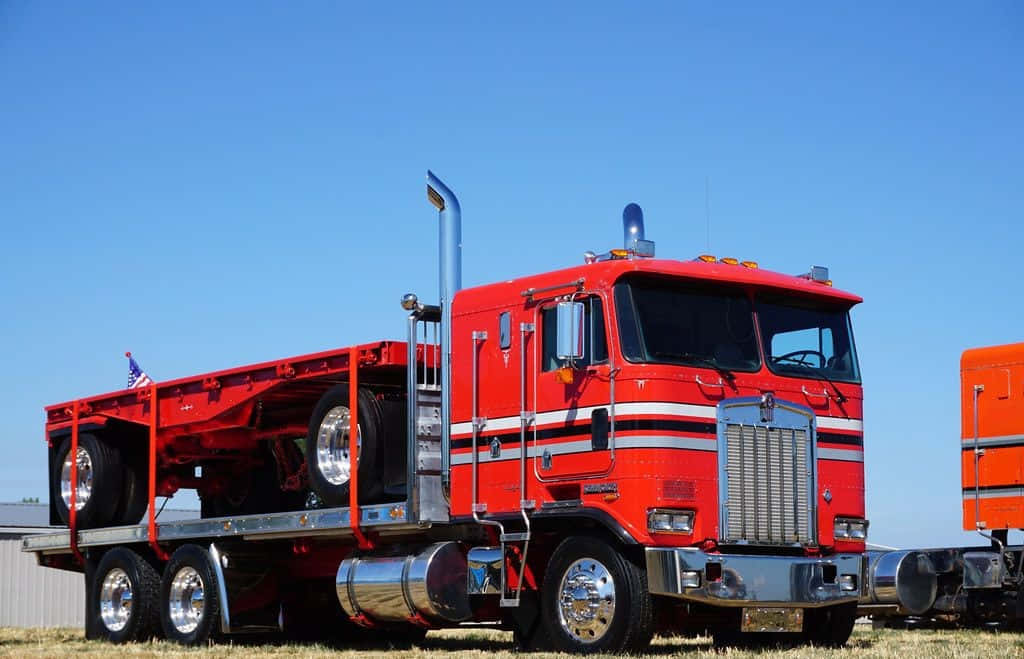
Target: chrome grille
{"type": "Point", "coordinates": [768, 475]}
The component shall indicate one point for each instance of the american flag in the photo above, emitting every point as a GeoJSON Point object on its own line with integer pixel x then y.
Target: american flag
{"type": "Point", "coordinates": [136, 376]}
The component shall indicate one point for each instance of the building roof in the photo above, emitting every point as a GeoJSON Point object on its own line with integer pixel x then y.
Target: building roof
{"type": "Point", "coordinates": [35, 517]}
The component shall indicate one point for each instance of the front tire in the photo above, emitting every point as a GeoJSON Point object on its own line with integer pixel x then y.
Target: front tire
{"type": "Point", "coordinates": [189, 601]}
{"type": "Point", "coordinates": [98, 490]}
{"type": "Point", "coordinates": [594, 599]}
{"type": "Point", "coordinates": [126, 596]}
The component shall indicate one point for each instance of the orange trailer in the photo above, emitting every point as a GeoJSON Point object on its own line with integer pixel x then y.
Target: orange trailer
{"type": "Point", "coordinates": [992, 438]}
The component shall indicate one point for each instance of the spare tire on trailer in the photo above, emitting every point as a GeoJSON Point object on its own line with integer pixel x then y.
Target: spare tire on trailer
{"type": "Point", "coordinates": [98, 492]}
{"type": "Point", "coordinates": [327, 442]}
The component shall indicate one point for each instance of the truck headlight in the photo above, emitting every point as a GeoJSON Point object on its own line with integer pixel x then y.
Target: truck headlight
{"type": "Point", "coordinates": [850, 528]}
{"type": "Point", "coordinates": [660, 520]}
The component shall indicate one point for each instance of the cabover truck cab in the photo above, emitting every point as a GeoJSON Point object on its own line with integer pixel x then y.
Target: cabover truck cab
{"type": "Point", "coordinates": [981, 585]}
{"type": "Point", "coordinates": [587, 457]}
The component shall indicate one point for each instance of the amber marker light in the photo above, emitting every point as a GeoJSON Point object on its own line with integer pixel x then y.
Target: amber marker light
{"type": "Point", "coordinates": [564, 375]}
{"type": "Point", "coordinates": [729, 260]}
{"type": "Point", "coordinates": [707, 258]}
{"type": "Point", "coordinates": [749, 264]}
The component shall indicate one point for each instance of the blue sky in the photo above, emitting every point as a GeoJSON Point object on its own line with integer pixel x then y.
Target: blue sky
{"type": "Point", "coordinates": [211, 185]}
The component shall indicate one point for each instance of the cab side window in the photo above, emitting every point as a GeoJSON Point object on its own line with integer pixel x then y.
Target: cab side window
{"type": "Point", "coordinates": [595, 342]}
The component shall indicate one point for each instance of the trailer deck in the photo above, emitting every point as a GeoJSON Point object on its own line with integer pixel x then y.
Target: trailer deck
{"type": "Point", "coordinates": [380, 518]}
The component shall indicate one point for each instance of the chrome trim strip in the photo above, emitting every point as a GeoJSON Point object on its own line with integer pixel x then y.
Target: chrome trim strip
{"type": "Point", "coordinates": [297, 524]}
{"type": "Point", "coordinates": [845, 455]}
{"type": "Point", "coordinates": [1004, 440]}
{"type": "Point", "coordinates": [572, 414]}
{"type": "Point", "coordinates": [584, 446]}
{"type": "Point", "coordinates": [994, 493]}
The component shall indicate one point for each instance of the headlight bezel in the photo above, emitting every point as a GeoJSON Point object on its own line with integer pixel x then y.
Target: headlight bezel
{"type": "Point", "coordinates": [850, 529]}
{"type": "Point", "coordinates": [670, 520]}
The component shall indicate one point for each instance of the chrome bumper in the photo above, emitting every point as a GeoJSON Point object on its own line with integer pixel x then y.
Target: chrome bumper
{"type": "Point", "coordinates": [775, 580]}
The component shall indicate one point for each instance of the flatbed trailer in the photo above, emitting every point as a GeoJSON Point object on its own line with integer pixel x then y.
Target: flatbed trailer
{"type": "Point", "coordinates": [586, 457]}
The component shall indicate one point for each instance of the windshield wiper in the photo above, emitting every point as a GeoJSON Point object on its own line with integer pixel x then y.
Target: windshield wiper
{"type": "Point", "coordinates": [690, 358]}
{"type": "Point", "coordinates": [840, 397]}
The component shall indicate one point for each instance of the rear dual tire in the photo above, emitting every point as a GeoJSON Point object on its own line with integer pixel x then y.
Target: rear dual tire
{"type": "Point", "coordinates": [125, 597]}
{"type": "Point", "coordinates": [189, 599]}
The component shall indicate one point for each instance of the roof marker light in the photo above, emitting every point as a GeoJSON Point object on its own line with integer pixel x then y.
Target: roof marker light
{"type": "Point", "coordinates": [707, 258]}
{"type": "Point", "coordinates": [729, 260]}
{"type": "Point", "coordinates": [749, 264]}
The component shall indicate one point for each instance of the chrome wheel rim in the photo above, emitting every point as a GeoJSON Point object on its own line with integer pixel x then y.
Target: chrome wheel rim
{"type": "Point", "coordinates": [116, 600]}
{"type": "Point", "coordinates": [332, 456]}
{"type": "Point", "coordinates": [187, 600]}
{"type": "Point", "coordinates": [84, 476]}
{"type": "Point", "coordinates": [586, 603]}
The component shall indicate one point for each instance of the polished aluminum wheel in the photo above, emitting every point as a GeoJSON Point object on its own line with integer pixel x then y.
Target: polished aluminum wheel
{"type": "Point", "coordinates": [116, 600]}
{"type": "Point", "coordinates": [332, 456]}
{"type": "Point", "coordinates": [586, 602]}
{"type": "Point", "coordinates": [186, 600]}
{"type": "Point", "coordinates": [84, 477]}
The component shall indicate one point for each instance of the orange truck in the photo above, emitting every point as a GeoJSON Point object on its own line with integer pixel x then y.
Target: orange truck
{"type": "Point", "coordinates": [970, 585]}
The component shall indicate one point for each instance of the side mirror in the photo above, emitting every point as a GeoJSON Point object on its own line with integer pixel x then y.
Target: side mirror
{"type": "Point", "coordinates": [570, 331]}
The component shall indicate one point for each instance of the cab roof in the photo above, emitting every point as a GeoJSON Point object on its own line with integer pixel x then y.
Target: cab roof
{"type": "Point", "coordinates": [989, 356]}
{"type": "Point", "coordinates": [605, 273]}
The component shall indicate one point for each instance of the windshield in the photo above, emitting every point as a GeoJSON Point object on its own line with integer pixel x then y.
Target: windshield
{"type": "Point", "coordinates": [804, 339]}
{"type": "Point", "coordinates": [672, 322]}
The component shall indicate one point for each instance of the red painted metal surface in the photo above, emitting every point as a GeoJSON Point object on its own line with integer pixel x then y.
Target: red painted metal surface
{"type": "Point", "coordinates": [189, 420]}
{"type": "Point", "coordinates": [73, 510]}
{"type": "Point", "coordinates": [668, 398]}
{"type": "Point", "coordinates": [154, 428]}
{"type": "Point", "coordinates": [353, 453]}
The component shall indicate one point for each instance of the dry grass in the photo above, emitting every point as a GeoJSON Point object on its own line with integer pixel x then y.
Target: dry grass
{"type": "Point", "coordinates": [865, 643]}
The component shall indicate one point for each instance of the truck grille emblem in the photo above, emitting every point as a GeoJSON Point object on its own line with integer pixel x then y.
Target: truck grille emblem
{"type": "Point", "coordinates": [767, 407]}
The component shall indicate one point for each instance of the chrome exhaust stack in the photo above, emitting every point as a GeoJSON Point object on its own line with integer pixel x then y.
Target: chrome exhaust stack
{"type": "Point", "coordinates": [429, 586]}
{"type": "Point", "coordinates": [632, 226]}
{"type": "Point", "coordinates": [450, 253]}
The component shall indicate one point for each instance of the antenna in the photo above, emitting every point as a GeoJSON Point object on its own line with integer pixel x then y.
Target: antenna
{"type": "Point", "coordinates": [707, 212]}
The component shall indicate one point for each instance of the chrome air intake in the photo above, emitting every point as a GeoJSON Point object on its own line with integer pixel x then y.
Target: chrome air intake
{"type": "Point", "coordinates": [430, 584]}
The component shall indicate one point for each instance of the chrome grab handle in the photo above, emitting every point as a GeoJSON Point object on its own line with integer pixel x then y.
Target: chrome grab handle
{"type": "Point", "coordinates": [710, 384]}
{"type": "Point", "coordinates": [824, 393]}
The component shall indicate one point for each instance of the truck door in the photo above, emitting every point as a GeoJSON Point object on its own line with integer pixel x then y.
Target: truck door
{"type": "Point", "coordinates": [570, 435]}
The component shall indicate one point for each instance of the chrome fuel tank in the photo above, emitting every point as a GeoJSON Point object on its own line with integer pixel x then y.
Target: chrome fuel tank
{"type": "Point", "coordinates": [430, 584]}
{"type": "Point", "coordinates": [903, 578]}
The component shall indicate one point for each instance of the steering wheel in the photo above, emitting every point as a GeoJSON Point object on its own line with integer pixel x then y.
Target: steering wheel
{"type": "Point", "coordinates": [800, 357]}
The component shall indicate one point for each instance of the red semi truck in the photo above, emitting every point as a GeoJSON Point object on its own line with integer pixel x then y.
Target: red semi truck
{"type": "Point", "coordinates": [587, 456]}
